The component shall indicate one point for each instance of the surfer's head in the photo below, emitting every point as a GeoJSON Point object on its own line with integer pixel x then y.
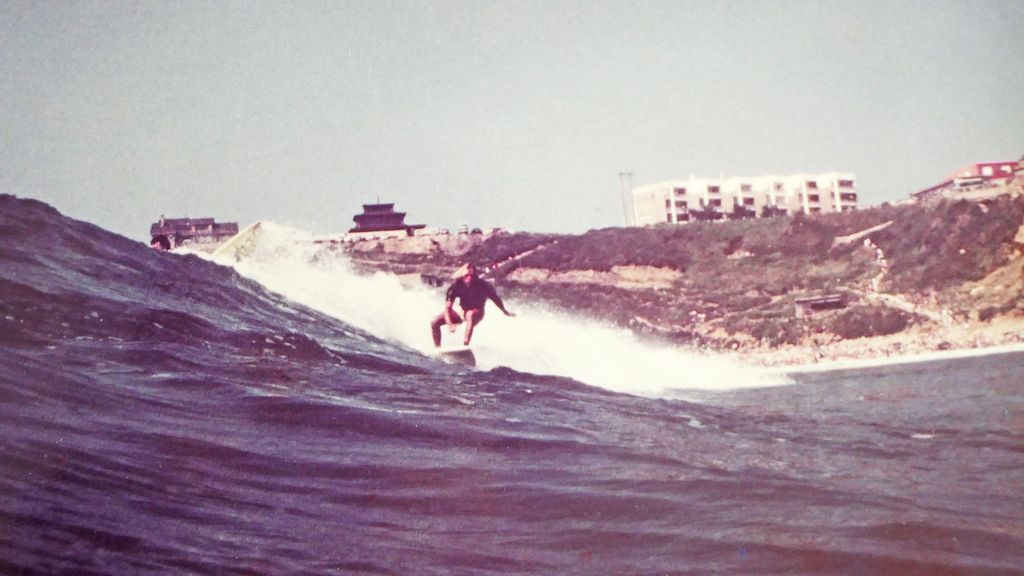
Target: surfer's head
{"type": "Point", "coordinates": [468, 273]}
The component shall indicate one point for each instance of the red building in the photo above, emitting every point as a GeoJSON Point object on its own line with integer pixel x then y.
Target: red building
{"type": "Point", "coordinates": [985, 170]}
{"type": "Point", "coordinates": [972, 176]}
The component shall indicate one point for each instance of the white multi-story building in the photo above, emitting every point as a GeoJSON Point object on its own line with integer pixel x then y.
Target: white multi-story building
{"type": "Point", "coordinates": [681, 201]}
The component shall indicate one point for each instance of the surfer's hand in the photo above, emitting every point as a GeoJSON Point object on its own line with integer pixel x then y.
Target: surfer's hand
{"type": "Point", "coordinates": [509, 314]}
{"type": "Point", "coordinates": [451, 328]}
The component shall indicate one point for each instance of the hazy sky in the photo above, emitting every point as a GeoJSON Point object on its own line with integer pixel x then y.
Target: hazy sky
{"type": "Point", "coordinates": [517, 114]}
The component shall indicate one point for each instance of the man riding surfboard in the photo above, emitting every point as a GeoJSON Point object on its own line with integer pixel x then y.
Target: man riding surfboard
{"type": "Point", "coordinates": [472, 292]}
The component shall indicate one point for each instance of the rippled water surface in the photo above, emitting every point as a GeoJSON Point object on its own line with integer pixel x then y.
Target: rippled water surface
{"type": "Point", "coordinates": [162, 414]}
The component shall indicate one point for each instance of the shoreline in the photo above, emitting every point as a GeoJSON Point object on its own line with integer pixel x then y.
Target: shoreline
{"type": "Point", "coordinates": [846, 364]}
{"type": "Point", "coordinates": [735, 290]}
{"type": "Point", "coordinates": [955, 341]}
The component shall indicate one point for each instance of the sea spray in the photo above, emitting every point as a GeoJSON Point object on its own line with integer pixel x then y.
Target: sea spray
{"type": "Point", "coordinates": [540, 340]}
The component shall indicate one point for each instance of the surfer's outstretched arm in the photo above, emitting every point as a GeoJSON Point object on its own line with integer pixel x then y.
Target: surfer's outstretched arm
{"type": "Point", "coordinates": [501, 305]}
{"type": "Point", "coordinates": [493, 295]}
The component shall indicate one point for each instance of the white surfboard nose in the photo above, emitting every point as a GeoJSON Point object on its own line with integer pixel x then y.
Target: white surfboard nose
{"type": "Point", "coordinates": [456, 355]}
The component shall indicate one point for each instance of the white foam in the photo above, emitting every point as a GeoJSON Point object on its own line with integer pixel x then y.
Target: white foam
{"type": "Point", "coordinates": [539, 340]}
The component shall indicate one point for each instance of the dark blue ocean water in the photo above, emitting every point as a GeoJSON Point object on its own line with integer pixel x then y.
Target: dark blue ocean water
{"type": "Point", "coordinates": [160, 414]}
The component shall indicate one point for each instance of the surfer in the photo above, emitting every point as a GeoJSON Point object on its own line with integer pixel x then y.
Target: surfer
{"type": "Point", "coordinates": [472, 292]}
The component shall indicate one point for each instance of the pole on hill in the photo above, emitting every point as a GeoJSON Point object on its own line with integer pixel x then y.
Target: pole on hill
{"type": "Point", "coordinates": [625, 177]}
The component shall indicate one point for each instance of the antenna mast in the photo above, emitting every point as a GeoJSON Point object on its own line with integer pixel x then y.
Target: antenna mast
{"type": "Point", "coordinates": [624, 178]}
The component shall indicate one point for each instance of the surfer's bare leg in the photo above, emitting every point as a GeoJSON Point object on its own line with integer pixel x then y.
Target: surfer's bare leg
{"type": "Point", "coordinates": [473, 317]}
{"type": "Point", "coordinates": [441, 320]}
{"type": "Point", "coordinates": [435, 331]}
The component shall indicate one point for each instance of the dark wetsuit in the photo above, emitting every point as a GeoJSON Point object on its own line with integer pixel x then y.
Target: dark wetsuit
{"type": "Point", "coordinates": [473, 296]}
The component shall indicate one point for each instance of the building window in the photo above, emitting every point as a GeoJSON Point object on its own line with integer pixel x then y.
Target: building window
{"type": "Point", "coordinates": [812, 185]}
{"type": "Point", "coordinates": [813, 198]}
{"type": "Point", "coordinates": [748, 201]}
{"type": "Point", "coordinates": [745, 188]}
{"type": "Point", "coordinates": [846, 183]}
{"type": "Point", "coordinates": [716, 202]}
{"type": "Point", "coordinates": [714, 189]}
{"type": "Point", "coordinates": [777, 187]}
{"type": "Point", "coordinates": [681, 204]}
{"type": "Point", "coordinates": [679, 191]}
{"type": "Point", "coordinates": [683, 217]}
{"type": "Point", "coordinates": [668, 218]}
{"type": "Point", "coordinates": [668, 204]}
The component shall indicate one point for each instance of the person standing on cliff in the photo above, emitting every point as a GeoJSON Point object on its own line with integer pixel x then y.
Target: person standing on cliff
{"type": "Point", "coordinates": [472, 292]}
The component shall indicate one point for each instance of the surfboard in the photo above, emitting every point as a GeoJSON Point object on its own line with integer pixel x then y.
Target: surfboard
{"type": "Point", "coordinates": [456, 355]}
{"type": "Point", "coordinates": [242, 244]}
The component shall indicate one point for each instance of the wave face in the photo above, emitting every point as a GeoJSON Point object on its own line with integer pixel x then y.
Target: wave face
{"type": "Point", "coordinates": [163, 414]}
{"type": "Point", "coordinates": [539, 340]}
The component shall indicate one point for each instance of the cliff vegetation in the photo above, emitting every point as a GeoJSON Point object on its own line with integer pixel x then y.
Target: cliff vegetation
{"type": "Point", "coordinates": [926, 272]}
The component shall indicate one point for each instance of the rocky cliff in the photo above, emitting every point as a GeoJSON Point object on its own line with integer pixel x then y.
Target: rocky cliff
{"type": "Point", "coordinates": [892, 279]}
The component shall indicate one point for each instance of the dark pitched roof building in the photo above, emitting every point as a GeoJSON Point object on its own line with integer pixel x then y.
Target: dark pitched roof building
{"type": "Point", "coordinates": [382, 218]}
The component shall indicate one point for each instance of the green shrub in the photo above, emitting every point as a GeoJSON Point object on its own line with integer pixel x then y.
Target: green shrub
{"type": "Point", "coordinates": [846, 223]}
{"type": "Point", "coordinates": [777, 332]}
{"type": "Point", "coordinates": [950, 243]}
{"type": "Point", "coordinates": [988, 313]}
{"type": "Point", "coordinates": [500, 247]}
{"type": "Point", "coordinates": [603, 249]}
{"type": "Point", "coordinates": [735, 243]}
{"type": "Point", "coordinates": [862, 322]}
